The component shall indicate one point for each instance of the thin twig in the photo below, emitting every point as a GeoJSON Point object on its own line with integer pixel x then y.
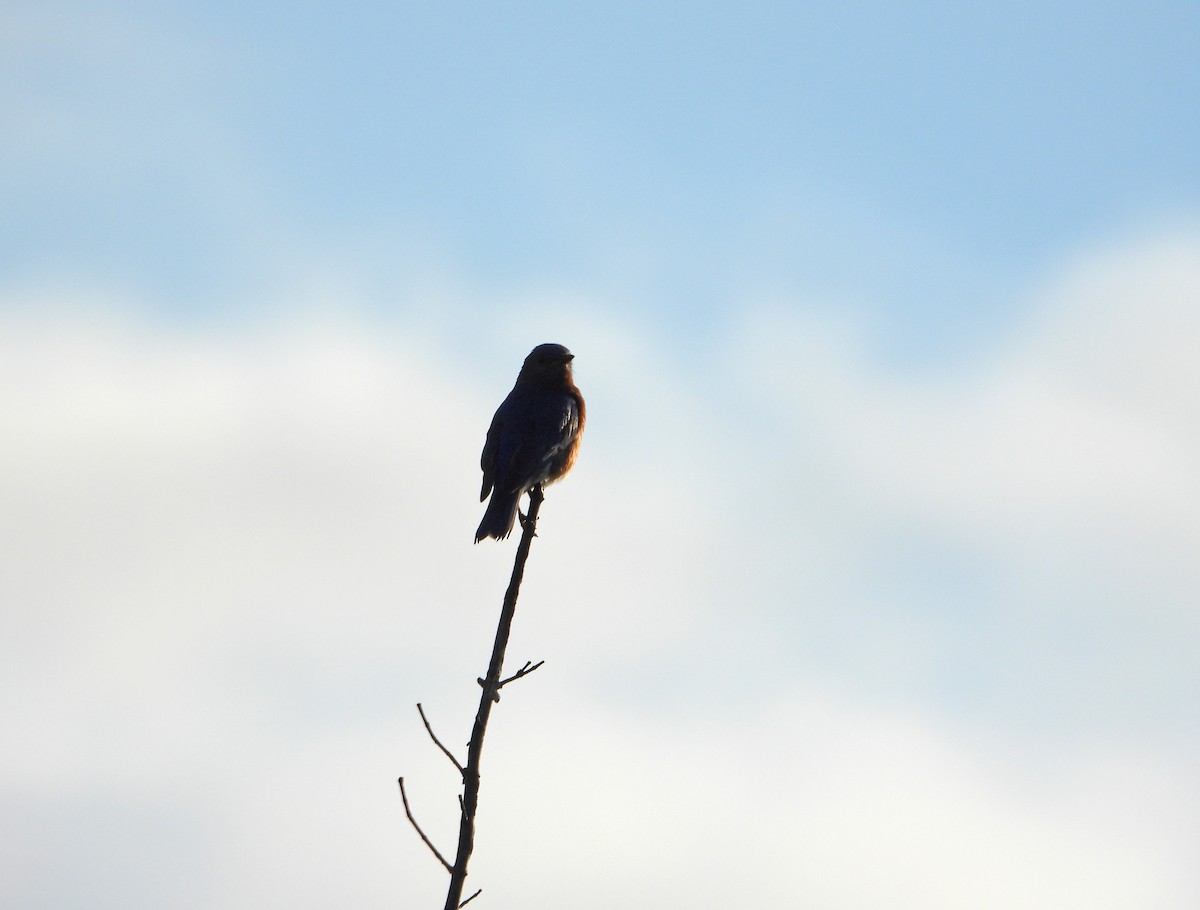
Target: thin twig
{"type": "Point", "coordinates": [471, 898]}
{"type": "Point", "coordinates": [413, 822]}
{"type": "Point", "coordinates": [524, 671]}
{"type": "Point", "coordinates": [437, 742]}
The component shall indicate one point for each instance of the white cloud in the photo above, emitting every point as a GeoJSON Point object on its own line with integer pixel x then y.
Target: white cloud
{"type": "Point", "coordinates": [829, 636]}
{"type": "Point", "coordinates": [1048, 493]}
{"type": "Point", "coordinates": [822, 801]}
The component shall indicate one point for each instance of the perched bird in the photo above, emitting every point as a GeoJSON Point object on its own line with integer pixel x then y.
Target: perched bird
{"type": "Point", "coordinates": [533, 439]}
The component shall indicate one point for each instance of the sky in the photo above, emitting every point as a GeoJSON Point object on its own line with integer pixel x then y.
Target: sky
{"type": "Point", "coordinates": [875, 584]}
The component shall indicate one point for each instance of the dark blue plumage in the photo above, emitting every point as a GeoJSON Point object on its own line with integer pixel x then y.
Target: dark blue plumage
{"type": "Point", "coordinates": [533, 439]}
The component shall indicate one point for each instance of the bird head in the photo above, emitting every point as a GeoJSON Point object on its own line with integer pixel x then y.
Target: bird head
{"type": "Point", "coordinates": [547, 363]}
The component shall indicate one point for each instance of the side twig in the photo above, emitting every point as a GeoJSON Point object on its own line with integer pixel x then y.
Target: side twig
{"type": "Point", "coordinates": [437, 742]}
{"type": "Point", "coordinates": [524, 671]}
{"type": "Point", "coordinates": [412, 821]}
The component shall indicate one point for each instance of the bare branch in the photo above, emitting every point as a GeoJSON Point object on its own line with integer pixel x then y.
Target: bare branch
{"type": "Point", "coordinates": [524, 671]}
{"type": "Point", "coordinates": [490, 695]}
{"type": "Point", "coordinates": [413, 822]}
{"type": "Point", "coordinates": [437, 742]}
{"type": "Point", "coordinates": [471, 898]}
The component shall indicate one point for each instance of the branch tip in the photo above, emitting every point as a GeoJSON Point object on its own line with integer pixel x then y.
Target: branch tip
{"type": "Point", "coordinates": [524, 671]}
{"type": "Point", "coordinates": [437, 742]}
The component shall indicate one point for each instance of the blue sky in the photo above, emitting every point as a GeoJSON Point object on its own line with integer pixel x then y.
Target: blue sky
{"type": "Point", "coordinates": [875, 585]}
{"type": "Point", "coordinates": [854, 151]}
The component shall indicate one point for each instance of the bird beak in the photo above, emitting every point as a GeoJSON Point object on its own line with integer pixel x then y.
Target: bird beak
{"type": "Point", "coordinates": [568, 357]}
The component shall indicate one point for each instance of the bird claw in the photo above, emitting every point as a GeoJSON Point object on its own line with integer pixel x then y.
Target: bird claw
{"type": "Point", "coordinates": [524, 519]}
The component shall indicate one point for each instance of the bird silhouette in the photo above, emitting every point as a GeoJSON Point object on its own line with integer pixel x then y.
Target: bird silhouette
{"type": "Point", "coordinates": [533, 439]}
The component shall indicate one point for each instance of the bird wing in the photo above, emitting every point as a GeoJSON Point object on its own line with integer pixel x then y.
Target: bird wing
{"type": "Point", "coordinates": [491, 444]}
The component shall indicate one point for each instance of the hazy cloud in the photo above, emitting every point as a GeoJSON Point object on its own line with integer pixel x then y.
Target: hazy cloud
{"type": "Point", "coordinates": [816, 630]}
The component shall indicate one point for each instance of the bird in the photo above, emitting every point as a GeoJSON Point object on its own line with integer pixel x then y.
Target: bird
{"type": "Point", "coordinates": [533, 439]}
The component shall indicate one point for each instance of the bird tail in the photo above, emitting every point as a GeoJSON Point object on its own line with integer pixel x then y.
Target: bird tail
{"type": "Point", "coordinates": [499, 516]}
